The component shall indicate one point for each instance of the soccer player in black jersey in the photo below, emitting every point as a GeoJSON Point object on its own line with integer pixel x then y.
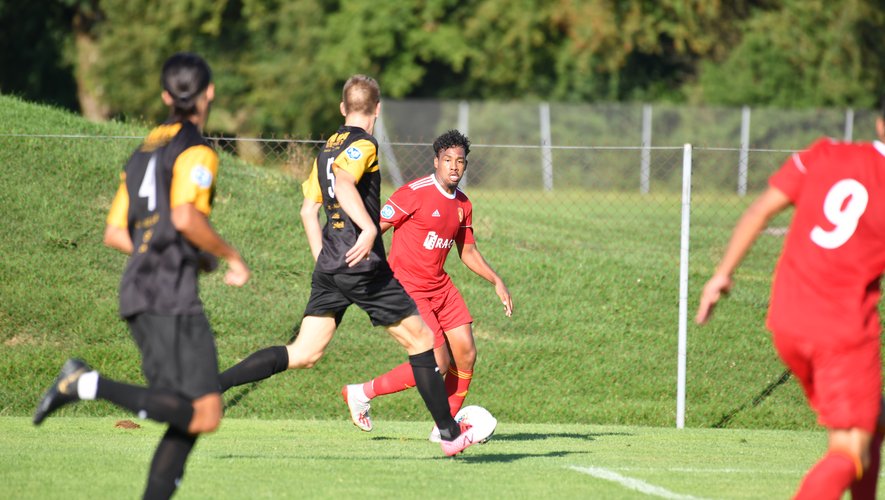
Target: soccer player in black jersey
{"type": "Point", "coordinates": [160, 218]}
{"type": "Point", "coordinates": [351, 268]}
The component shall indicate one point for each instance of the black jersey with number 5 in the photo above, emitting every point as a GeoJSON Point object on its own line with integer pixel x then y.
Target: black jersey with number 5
{"type": "Point", "coordinates": [174, 165]}
{"type": "Point", "coordinates": [355, 151]}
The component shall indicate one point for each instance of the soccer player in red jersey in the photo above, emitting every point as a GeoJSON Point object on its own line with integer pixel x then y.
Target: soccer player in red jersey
{"type": "Point", "coordinates": [430, 216]}
{"type": "Point", "coordinates": [823, 310]}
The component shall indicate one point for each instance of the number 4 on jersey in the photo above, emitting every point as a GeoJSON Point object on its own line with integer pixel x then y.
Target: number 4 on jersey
{"type": "Point", "coordinates": [842, 215]}
{"type": "Point", "coordinates": [148, 187]}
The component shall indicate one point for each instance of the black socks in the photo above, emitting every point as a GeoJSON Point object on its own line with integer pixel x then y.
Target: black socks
{"type": "Point", "coordinates": [432, 388]}
{"type": "Point", "coordinates": [258, 366]}
{"type": "Point", "coordinates": [160, 405]}
{"type": "Point", "coordinates": [167, 467]}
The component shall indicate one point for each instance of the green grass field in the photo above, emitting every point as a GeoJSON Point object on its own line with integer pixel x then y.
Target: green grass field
{"type": "Point", "coordinates": [583, 375]}
{"type": "Point", "coordinates": [247, 458]}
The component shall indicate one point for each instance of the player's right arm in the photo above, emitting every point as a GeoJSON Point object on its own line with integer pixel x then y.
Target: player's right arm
{"type": "Point", "coordinates": [116, 234]}
{"type": "Point", "coordinates": [310, 211]}
{"type": "Point", "coordinates": [751, 223]}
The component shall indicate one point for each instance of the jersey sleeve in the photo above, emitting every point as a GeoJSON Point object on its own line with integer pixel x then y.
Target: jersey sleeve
{"type": "Point", "coordinates": [399, 207]}
{"type": "Point", "coordinates": [193, 178]}
{"type": "Point", "coordinates": [311, 187]}
{"type": "Point", "coordinates": [792, 174]}
{"type": "Point", "coordinates": [359, 158]}
{"type": "Point", "coordinates": [465, 231]}
{"type": "Point", "coordinates": [118, 216]}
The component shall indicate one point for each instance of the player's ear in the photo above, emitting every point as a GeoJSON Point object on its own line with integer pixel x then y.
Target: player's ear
{"type": "Point", "coordinates": [167, 98]}
{"type": "Point", "coordinates": [880, 128]}
{"type": "Point", "coordinates": [343, 109]}
{"type": "Point", "coordinates": [210, 92]}
{"type": "Point", "coordinates": [378, 109]}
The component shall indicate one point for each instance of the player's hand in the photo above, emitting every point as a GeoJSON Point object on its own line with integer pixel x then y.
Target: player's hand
{"type": "Point", "coordinates": [362, 248]}
{"type": "Point", "coordinates": [504, 295]}
{"type": "Point", "coordinates": [207, 261]}
{"type": "Point", "coordinates": [713, 291]}
{"type": "Point", "coordinates": [237, 273]}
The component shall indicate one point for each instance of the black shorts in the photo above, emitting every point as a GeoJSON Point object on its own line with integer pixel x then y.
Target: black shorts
{"type": "Point", "coordinates": [177, 353]}
{"type": "Point", "coordinates": [378, 293]}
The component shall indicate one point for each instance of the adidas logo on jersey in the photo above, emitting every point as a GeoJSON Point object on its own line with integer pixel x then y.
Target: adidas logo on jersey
{"type": "Point", "coordinates": [435, 213]}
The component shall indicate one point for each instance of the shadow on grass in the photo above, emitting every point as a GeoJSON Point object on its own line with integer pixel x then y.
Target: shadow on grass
{"type": "Point", "coordinates": [530, 436]}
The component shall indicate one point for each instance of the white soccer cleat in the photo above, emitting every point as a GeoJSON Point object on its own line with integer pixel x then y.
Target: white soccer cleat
{"type": "Point", "coordinates": [477, 425]}
{"type": "Point", "coordinates": [358, 404]}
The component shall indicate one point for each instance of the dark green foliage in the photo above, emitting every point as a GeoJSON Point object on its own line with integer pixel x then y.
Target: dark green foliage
{"type": "Point", "coordinates": [279, 65]}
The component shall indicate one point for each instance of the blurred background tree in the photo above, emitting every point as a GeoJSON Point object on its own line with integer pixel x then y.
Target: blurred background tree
{"type": "Point", "coordinates": [280, 64]}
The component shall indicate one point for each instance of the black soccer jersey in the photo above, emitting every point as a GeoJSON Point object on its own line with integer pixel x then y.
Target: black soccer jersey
{"type": "Point", "coordinates": [356, 151]}
{"type": "Point", "coordinates": [173, 166]}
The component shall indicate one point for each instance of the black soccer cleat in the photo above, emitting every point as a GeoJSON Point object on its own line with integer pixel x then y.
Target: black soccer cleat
{"type": "Point", "coordinates": [63, 390]}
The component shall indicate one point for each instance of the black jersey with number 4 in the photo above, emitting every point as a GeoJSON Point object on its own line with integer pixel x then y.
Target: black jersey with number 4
{"type": "Point", "coordinates": [356, 151]}
{"type": "Point", "coordinates": [174, 165]}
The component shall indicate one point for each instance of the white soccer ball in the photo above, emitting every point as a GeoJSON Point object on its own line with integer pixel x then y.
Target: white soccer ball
{"type": "Point", "coordinates": [480, 419]}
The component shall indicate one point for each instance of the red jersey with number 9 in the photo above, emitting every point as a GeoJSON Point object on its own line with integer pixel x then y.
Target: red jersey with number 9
{"type": "Point", "coordinates": [427, 223]}
{"type": "Point", "coordinates": [827, 281]}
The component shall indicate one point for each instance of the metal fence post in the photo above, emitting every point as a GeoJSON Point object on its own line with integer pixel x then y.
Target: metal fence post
{"type": "Point", "coordinates": [849, 124]}
{"type": "Point", "coordinates": [645, 154]}
{"type": "Point", "coordinates": [745, 151]}
{"type": "Point", "coordinates": [546, 150]}
{"type": "Point", "coordinates": [390, 163]}
{"type": "Point", "coordinates": [464, 128]}
{"type": "Point", "coordinates": [682, 349]}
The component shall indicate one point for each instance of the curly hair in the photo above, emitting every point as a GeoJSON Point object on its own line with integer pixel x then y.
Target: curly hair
{"type": "Point", "coordinates": [451, 139]}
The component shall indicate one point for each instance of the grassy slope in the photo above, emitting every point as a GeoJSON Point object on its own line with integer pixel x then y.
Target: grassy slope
{"type": "Point", "coordinates": [594, 278]}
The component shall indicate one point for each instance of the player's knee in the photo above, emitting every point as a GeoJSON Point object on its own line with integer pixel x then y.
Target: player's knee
{"type": "Point", "coordinates": [207, 414]}
{"type": "Point", "coordinates": [302, 361]}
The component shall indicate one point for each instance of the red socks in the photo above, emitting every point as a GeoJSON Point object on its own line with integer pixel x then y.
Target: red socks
{"type": "Point", "coordinates": [457, 382]}
{"type": "Point", "coordinates": [830, 477]}
{"type": "Point", "coordinates": [398, 379]}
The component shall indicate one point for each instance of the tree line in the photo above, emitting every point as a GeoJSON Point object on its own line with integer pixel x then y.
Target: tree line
{"type": "Point", "coordinates": [279, 64]}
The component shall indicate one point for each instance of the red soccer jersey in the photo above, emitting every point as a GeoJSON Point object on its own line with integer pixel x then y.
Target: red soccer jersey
{"type": "Point", "coordinates": [827, 281]}
{"type": "Point", "coordinates": [427, 223]}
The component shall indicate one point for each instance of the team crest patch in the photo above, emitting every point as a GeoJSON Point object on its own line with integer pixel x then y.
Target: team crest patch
{"type": "Point", "coordinates": [387, 211]}
{"type": "Point", "coordinates": [201, 176]}
{"type": "Point", "coordinates": [354, 153]}
{"type": "Point", "coordinates": [460, 214]}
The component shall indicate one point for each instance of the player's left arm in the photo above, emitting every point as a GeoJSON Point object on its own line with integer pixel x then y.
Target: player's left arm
{"type": "Point", "coordinates": [473, 259]}
{"type": "Point", "coordinates": [190, 197]}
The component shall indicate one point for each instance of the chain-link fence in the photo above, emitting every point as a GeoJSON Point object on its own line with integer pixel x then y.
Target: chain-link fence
{"type": "Point", "coordinates": [585, 226]}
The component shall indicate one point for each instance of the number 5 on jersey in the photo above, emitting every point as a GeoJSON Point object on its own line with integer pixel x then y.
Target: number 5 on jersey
{"type": "Point", "coordinates": [842, 215]}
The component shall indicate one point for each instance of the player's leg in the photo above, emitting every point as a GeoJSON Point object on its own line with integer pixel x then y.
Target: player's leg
{"type": "Point", "coordinates": [401, 377]}
{"type": "Point", "coordinates": [844, 388]}
{"type": "Point", "coordinates": [455, 319]}
{"type": "Point", "coordinates": [156, 338]}
{"type": "Point", "coordinates": [843, 464]}
{"type": "Point", "coordinates": [866, 486]}
{"type": "Point", "coordinates": [460, 374]}
{"type": "Point", "coordinates": [414, 335]}
{"type": "Point", "coordinates": [325, 309]}
{"type": "Point", "coordinates": [314, 335]}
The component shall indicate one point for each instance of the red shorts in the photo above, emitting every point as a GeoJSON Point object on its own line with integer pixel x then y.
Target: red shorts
{"type": "Point", "coordinates": [443, 312]}
{"type": "Point", "coordinates": [843, 384]}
